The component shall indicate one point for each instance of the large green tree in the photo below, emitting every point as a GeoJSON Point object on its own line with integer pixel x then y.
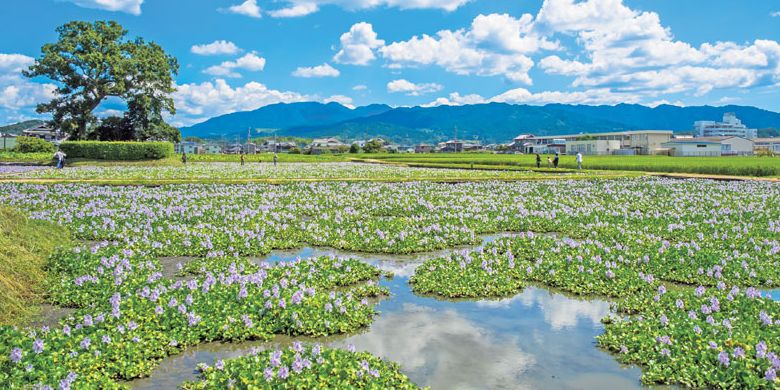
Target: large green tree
{"type": "Point", "coordinates": [94, 61]}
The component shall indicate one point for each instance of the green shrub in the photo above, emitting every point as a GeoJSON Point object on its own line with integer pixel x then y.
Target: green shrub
{"type": "Point", "coordinates": [117, 150]}
{"type": "Point", "coordinates": [33, 145]}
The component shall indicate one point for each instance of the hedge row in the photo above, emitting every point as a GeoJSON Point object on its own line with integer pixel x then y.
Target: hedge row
{"type": "Point", "coordinates": [117, 150]}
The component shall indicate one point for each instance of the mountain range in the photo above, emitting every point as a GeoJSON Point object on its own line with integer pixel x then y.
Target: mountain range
{"type": "Point", "coordinates": [491, 122]}
{"type": "Point", "coordinates": [17, 128]}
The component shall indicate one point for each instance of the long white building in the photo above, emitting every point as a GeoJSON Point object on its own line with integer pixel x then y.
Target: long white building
{"type": "Point", "coordinates": [730, 127]}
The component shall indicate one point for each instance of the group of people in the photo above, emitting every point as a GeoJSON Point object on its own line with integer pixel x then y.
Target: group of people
{"type": "Point", "coordinates": [553, 163]}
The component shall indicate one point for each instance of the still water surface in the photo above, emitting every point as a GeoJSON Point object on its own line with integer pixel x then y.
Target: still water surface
{"type": "Point", "coordinates": [536, 339]}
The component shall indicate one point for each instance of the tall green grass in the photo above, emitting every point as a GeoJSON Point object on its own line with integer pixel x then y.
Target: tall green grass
{"type": "Point", "coordinates": [25, 246]}
{"type": "Point", "coordinates": [734, 166]}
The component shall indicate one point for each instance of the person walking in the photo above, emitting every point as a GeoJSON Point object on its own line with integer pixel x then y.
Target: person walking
{"type": "Point", "coordinates": [60, 157]}
{"type": "Point", "coordinates": [276, 158]}
{"type": "Point", "coordinates": [538, 160]}
{"type": "Point", "coordinates": [579, 160]}
{"type": "Point", "coordinates": [242, 159]}
{"type": "Point", "coordinates": [183, 157]}
{"type": "Point", "coordinates": [555, 160]}
{"type": "Point", "coordinates": [549, 162]}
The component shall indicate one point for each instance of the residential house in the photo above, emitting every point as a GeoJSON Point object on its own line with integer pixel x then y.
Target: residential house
{"type": "Point", "coordinates": [46, 133]}
{"type": "Point", "coordinates": [423, 148]}
{"type": "Point", "coordinates": [327, 145]}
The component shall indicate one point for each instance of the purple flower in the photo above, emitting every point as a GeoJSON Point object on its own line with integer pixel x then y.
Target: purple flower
{"type": "Point", "coordinates": [770, 374]}
{"type": "Point", "coordinates": [666, 352]}
{"type": "Point", "coordinates": [38, 346]}
{"type": "Point", "coordinates": [85, 343]}
{"type": "Point", "coordinates": [679, 304]}
{"type": "Point", "coordinates": [283, 372]}
{"type": "Point", "coordinates": [739, 353]}
{"type": "Point", "coordinates": [761, 349]}
{"type": "Point", "coordinates": [16, 355]}
{"type": "Point", "coordinates": [268, 373]}
{"type": "Point", "coordinates": [276, 358]}
{"type": "Point", "coordinates": [297, 347]}
{"type": "Point", "coordinates": [700, 291]}
{"type": "Point", "coordinates": [723, 358]}
{"type": "Point", "coordinates": [219, 365]}
{"type": "Point", "coordinates": [664, 320]}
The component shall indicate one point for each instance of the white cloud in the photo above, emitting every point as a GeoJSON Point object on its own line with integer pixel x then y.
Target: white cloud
{"type": "Point", "coordinates": [295, 8]}
{"type": "Point", "coordinates": [775, 14]}
{"type": "Point", "coordinates": [358, 44]}
{"type": "Point", "coordinates": [447, 350]}
{"type": "Point", "coordinates": [591, 96]}
{"type": "Point", "coordinates": [411, 89]}
{"type": "Point", "coordinates": [247, 8]}
{"type": "Point", "coordinates": [250, 62]}
{"type": "Point", "coordinates": [324, 70]}
{"type": "Point", "coordinates": [216, 48]}
{"type": "Point", "coordinates": [629, 51]}
{"type": "Point", "coordinates": [456, 99]}
{"type": "Point", "coordinates": [345, 101]}
{"type": "Point", "coordinates": [198, 102]}
{"type": "Point", "coordinates": [494, 45]}
{"type": "Point", "coordinates": [19, 95]}
{"type": "Point", "coordinates": [360, 87]}
{"type": "Point", "coordinates": [129, 6]}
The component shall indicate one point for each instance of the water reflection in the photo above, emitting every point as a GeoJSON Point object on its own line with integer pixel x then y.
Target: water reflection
{"type": "Point", "coordinates": [538, 339]}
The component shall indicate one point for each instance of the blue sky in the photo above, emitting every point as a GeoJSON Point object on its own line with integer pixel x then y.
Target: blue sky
{"type": "Point", "coordinates": [242, 54]}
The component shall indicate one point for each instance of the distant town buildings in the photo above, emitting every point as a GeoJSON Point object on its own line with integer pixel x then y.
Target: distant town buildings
{"type": "Point", "coordinates": [622, 142]}
{"type": "Point", "coordinates": [730, 127]}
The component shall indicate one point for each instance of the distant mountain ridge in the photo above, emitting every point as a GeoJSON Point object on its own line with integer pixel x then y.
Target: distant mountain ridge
{"type": "Point", "coordinates": [490, 123]}
{"type": "Point", "coordinates": [17, 128]}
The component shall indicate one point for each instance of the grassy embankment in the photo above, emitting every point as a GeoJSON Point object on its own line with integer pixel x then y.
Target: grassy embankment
{"type": "Point", "coordinates": [733, 166]}
{"type": "Point", "coordinates": [25, 246]}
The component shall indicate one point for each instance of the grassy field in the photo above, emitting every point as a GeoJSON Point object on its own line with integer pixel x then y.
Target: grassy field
{"type": "Point", "coordinates": [24, 247]}
{"type": "Point", "coordinates": [732, 166]}
{"type": "Point", "coordinates": [735, 166]}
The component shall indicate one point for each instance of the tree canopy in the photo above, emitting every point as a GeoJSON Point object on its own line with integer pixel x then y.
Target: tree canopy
{"type": "Point", "coordinates": [91, 62]}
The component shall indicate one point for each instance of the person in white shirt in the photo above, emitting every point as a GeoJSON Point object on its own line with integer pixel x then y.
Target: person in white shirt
{"type": "Point", "coordinates": [60, 157]}
{"type": "Point", "coordinates": [579, 160]}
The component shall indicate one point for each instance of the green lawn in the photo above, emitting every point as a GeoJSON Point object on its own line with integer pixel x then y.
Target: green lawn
{"type": "Point", "coordinates": [736, 166]}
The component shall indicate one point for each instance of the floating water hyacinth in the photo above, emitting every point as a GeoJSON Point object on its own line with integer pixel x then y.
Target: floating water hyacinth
{"type": "Point", "coordinates": [304, 367]}
{"type": "Point", "coordinates": [625, 239]}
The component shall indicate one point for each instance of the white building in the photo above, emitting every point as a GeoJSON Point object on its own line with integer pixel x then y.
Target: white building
{"type": "Point", "coordinates": [736, 146]}
{"type": "Point", "coordinates": [592, 147]}
{"type": "Point", "coordinates": [730, 127]}
{"type": "Point", "coordinates": [767, 144]}
{"type": "Point", "coordinates": [188, 147]}
{"type": "Point", "coordinates": [693, 147]}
